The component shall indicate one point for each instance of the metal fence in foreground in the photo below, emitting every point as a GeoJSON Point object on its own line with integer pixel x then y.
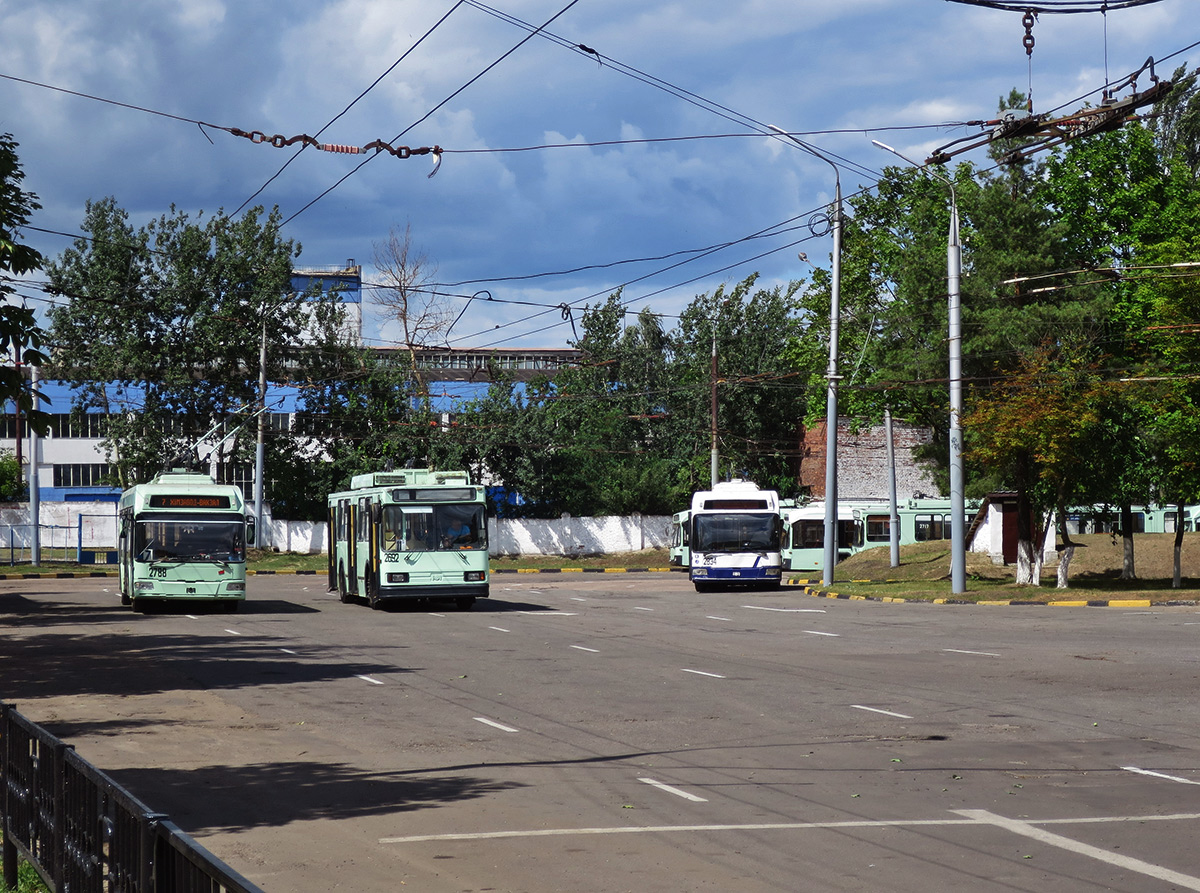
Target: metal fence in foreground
{"type": "Point", "coordinates": [84, 833]}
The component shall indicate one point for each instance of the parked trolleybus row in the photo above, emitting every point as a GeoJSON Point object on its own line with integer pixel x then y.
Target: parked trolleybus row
{"type": "Point", "coordinates": [739, 535]}
{"type": "Point", "coordinates": [422, 534]}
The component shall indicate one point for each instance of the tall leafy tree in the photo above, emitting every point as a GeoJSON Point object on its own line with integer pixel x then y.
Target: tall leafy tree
{"type": "Point", "coordinates": [628, 429]}
{"type": "Point", "coordinates": [21, 338]}
{"type": "Point", "coordinates": [164, 324]}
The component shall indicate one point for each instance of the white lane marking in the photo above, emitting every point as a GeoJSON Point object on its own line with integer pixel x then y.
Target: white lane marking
{"type": "Point", "coordinates": [369, 679]}
{"type": "Point", "coordinates": [813, 632]}
{"type": "Point", "coordinates": [581, 648]}
{"type": "Point", "coordinates": [961, 651]}
{"type": "Point", "coordinates": [786, 610]}
{"type": "Point", "coordinates": [884, 712]}
{"type": "Point", "coordinates": [435, 614]}
{"type": "Point", "coordinates": [779, 826]}
{"type": "Point", "coordinates": [643, 609]}
{"type": "Point", "coordinates": [671, 790]}
{"type": "Point", "coordinates": [500, 629]}
{"type": "Point", "coordinates": [550, 613]}
{"type": "Point", "coordinates": [287, 651]}
{"type": "Point", "coordinates": [191, 616]}
{"type": "Point", "coordinates": [1159, 775]}
{"type": "Point", "coordinates": [576, 598]}
{"type": "Point", "coordinates": [233, 632]}
{"type": "Point", "coordinates": [702, 673]}
{"type": "Point", "coordinates": [714, 617]}
{"type": "Point", "coordinates": [495, 725]}
{"type": "Point", "coordinates": [1025, 829]}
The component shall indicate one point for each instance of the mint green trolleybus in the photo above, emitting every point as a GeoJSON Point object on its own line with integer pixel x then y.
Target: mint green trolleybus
{"type": "Point", "coordinates": [182, 536]}
{"type": "Point", "coordinates": [415, 533]}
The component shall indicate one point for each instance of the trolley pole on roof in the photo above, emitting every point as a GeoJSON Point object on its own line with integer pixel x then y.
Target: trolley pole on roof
{"type": "Point", "coordinates": [831, 376]}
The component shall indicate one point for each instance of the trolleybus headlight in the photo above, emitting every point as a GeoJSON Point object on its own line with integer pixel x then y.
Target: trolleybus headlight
{"type": "Point", "coordinates": [699, 572]}
{"type": "Point", "coordinates": [235, 587]}
{"type": "Point", "coordinates": [397, 578]}
{"type": "Point", "coordinates": [143, 585]}
{"type": "Point", "coordinates": [473, 576]}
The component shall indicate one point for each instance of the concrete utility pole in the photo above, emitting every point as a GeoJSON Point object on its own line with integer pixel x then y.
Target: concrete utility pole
{"type": "Point", "coordinates": [894, 510]}
{"type": "Point", "coordinates": [958, 538]}
{"type": "Point", "coordinates": [35, 495]}
{"type": "Point", "coordinates": [258, 447]}
{"type": "Point", "coordinates": [713, 385]}
{"type": "Point", "coordinates": [831, 376]}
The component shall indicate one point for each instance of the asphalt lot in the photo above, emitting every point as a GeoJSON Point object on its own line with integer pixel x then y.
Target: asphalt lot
{"type": "Point", "coordinates": [622, 732]}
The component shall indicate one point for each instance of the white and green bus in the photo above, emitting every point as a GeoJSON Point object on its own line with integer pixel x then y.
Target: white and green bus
{"type": "Point", "coordinates": [182, 536]}
{"type": "Point", "coordinates": [410, 534]}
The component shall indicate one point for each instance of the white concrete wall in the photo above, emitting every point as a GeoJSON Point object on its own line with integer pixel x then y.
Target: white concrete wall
{"type": "Point", "coordinates": [507, 536]}
{"type": "Point", "coordinates": [60, 524]}
{"type": "Point", "coordinates": [578, 536]}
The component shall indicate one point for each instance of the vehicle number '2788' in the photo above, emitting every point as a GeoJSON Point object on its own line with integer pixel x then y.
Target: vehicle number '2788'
{"type": "Point", "coordinates": [158, 572]}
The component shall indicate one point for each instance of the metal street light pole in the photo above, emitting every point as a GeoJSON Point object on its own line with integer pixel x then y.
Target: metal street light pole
{"type": "Point", "coordinates": [831, 376]}
{"type": "Point", "coordinates": [958, 539]}
{"type": "Point", "coordinates": [714, 458]}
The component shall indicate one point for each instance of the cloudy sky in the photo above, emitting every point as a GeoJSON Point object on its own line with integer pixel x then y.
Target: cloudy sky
{"type": "Point", "coordinates": [566, 173]}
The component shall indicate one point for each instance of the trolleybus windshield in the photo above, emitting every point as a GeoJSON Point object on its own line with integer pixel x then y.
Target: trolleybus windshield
{"type": "Point", "coordinates": [189, 539]}
{"type": "Point", "coordinates": [735, 532]}
{"type": "Point", "coordinates": [433, 528]}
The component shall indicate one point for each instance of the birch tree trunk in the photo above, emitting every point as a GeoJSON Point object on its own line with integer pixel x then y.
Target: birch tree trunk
{"type": "Point", "coordinates": [1024, 562]}
{"type": "Point", "coordinates": [1064, 564]}
{"type": "Point", "coordinates": [1127, 569]}
{"type": "Point", "coordinates": [1028, 565]}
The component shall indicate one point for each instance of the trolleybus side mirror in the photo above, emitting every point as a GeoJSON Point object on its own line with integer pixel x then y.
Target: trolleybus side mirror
{"type": "Point", "coordinates": [250, 531]}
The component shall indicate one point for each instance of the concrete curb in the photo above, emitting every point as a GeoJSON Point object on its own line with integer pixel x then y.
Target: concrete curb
{"type": "Point", "coordinates": [991, 603]}
{"type": "Point", "coordinates": [587, 570]}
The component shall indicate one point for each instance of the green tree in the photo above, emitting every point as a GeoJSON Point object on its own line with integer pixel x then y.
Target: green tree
{"type": "Point", "coordinates": [12, 479]}
{"type": "Point", "coordinates": [164, 324]}
{"type": "Point", "coordinates": [628, 429]}
{"type": "Point", "coordinates": [1042, 427]}
{"type": "Point", "coordinates": [21, 338]}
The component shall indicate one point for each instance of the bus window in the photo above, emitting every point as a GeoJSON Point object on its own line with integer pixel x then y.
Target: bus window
{"type": "Point", "coordinates": [932, 527]}
{"type": "Point", "coordinates": [808, 534]}
{"type": "Point", "coordinates": [879, 528]}
{"type": "Point", "coordinates": [461, 526]}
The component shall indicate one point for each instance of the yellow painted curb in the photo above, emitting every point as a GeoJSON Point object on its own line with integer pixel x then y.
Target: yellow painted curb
{"type": "Point", "coordinates": [1130, 603]}
{"type": "Point", "coordinates": [1068, 604]}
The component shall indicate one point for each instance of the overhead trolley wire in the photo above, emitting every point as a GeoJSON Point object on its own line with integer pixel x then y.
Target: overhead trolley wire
{"type": "Point", "coordinates": [432, 111]}
{"type": "Point", "coordinates": [353, 102]}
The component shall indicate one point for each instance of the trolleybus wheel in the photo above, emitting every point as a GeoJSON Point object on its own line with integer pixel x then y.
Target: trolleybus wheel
{"type": "Point", "coordinates": [343, 594]}
{"type": "Point", "coordinates": [125, 600]}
